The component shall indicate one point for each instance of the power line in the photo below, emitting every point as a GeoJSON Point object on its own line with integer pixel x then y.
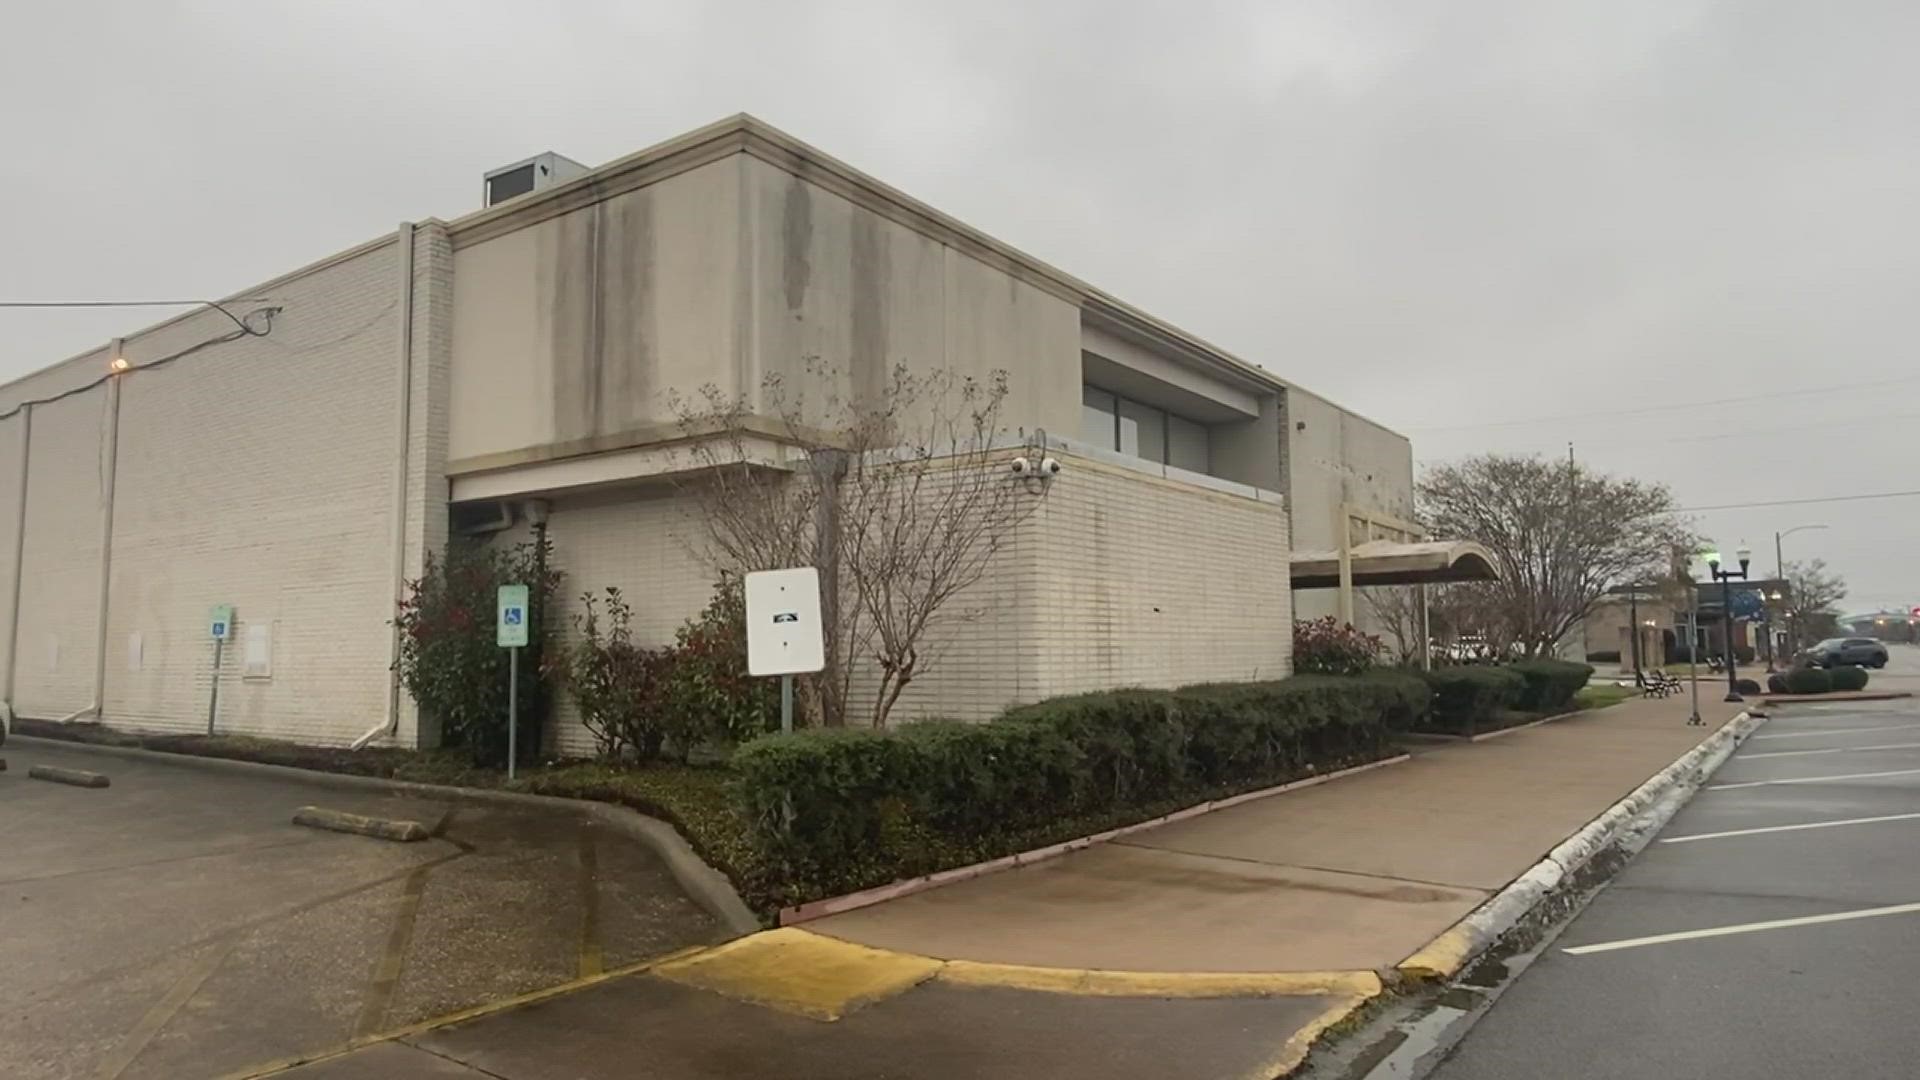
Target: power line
{"type": "Point", "coordinates": [1677, 406]}
{"type": "Point", "coordinates": [127, 303]}
{"type": "Point", "coordinates": [154, 364]}
{"type": "Point", "coordinates": [1800, 502]}
{"type": "Point", "coordinates": [217, 305]}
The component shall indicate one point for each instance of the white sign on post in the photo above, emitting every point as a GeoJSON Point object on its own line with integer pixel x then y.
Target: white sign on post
{"type": "Point", "coordinates": [783, 622]}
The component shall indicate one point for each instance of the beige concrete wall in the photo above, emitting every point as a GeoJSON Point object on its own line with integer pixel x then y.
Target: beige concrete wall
{"type": "Point", "coordinates": [640, 541]}
{"type": "Point", "coordinates": [1335, 457]}
{"type": "Point", "coordinates": [570, 333]}
{"type": "Point", "coordinates": [260, 474]}
{"type": "Point", "coordinates": [60, 565]}
{"type": "Point", "coordinates": [861, 293]}
{"type": "Point", "coordinates": [13, 435]}
{"type": "Point", "coordinates": [1117, 579]}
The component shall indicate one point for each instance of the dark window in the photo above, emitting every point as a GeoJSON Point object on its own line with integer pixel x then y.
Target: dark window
{"type": "Point", "coordinates": [1112, 422]}
{"type": "Point", "coordinates": [507, 185]}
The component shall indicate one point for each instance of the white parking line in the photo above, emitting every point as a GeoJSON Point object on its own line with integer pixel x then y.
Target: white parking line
{"type": "Point", "coordinates": [1836, 731]}
{"type": "Point", "coordinates": [1787, 828]}
{"type": "Point", "coordinates": [1831, 750]}
{"type": "Point", "coordinates": [1742, 928]}
{"type": "Point", "coordinates": [1813, 779]}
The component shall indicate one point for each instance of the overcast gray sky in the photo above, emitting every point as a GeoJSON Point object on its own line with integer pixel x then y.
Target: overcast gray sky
{"type": "Point", "coordinates": [1490, 225]}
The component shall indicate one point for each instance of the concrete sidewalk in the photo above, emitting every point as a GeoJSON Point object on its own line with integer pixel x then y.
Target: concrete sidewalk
{"type": "Point", "coordinates": [1352, 875]}
{"type": "Point", "coordinates": [1116, 961]}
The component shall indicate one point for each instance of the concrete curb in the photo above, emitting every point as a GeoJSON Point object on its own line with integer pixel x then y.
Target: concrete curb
{"type": "Point", "coordinates": [1447, 954]}
{"type": "Point", "coordinates": [1835, 695]}
{"type": "Point", "coordinates": [73, 777]}
{"type": "Point", "coordinates": [833, 905]}
{"type": "Point", "coordinates": [396, 829]}
{"type": "Point", "coordinates": [708, 887]}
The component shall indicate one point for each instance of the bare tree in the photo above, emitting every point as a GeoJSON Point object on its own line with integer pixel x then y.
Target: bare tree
{"type": "Point", "coordinates": [1396, 610]}
{"type": "Point", "coordinates": [1812, 592]}
{"type": "Point", "coordinates": [904, 502]}
{"type": "Point", "coordinates": [1559, 534]}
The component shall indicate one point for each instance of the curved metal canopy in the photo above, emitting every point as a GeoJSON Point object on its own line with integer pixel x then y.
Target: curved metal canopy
{"type": "Point", "coordinates": [1393, 562]}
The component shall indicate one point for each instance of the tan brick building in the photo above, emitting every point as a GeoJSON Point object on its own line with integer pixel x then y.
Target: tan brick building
{"type": "Point", "coordinates": [526, 353]}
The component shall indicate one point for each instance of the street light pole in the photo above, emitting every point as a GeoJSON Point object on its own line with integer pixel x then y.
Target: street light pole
{"type": "Point", "coordinates": [1780, 574]}
{"type": "Point", "coordinates": [1725, 577]}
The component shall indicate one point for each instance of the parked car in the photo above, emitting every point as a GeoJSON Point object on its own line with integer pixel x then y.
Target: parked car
{"type": "Point", "coordinates": [1840, 652]}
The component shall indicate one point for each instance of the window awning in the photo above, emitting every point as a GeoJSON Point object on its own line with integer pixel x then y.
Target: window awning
{"type": "Point", "coordinates": [1395, 562]}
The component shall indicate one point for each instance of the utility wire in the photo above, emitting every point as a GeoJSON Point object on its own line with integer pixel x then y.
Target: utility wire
{"type": "Point", "coordinates": [244, 331]}
{"type": "Point", "coordinates": [214, 304]}
{"type": "Point", "coordinates": [1800, 502]}
{"type": "Point", "coordinates": [125, 303]}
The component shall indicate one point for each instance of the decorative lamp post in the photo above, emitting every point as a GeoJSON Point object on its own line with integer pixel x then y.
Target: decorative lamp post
{"type": "Point", "coordinates": [1773, 599]}
{"type": "Point", "coordinates": [1725, 578]}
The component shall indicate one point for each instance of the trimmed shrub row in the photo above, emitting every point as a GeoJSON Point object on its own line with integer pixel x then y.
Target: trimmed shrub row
{"type": "Point", "coordinates": [1466, 698]}
{"type": "Point", "coordinates": [1469, 699]}
{"type": "Point", "coordinates": [1809, 680]}
{"type": "Point", "coordinates": [1850, 677]}
{"type": "Point", "coordinates": [1813, 680]}
{"type": "Point", "coordinates": [1550, 684]}
{"type": "Point", "coordinates": [824, 805]}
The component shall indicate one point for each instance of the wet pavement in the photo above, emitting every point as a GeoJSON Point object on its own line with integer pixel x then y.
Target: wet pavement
{"type": "Point", "coordinates": [1354, 874]}
{"type": "Point", "coordinates": [642, 1026]}
{"type": "Point", "coordinates": [177, 925]}
{"type": "Point", "coordinates": [1772, 929]}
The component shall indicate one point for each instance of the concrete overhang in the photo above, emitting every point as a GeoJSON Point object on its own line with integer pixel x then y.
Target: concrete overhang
{"type": "Point", "coordinates": [636, 466]}
{"type": "Point", "coordinates": [1391, 562]}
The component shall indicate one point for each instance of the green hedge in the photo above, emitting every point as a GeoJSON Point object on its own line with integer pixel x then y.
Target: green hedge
{"type": "Point", "coordinates": [1550, 684]}
{"type": "Point", "coordinates": [1809, 680]}
{"type": "Point", "coordinates": [842, 810]}
{"type": "Point", "coordinates": [1466, 698]}
{"type": "Point", "coordinates": [1849, 677]}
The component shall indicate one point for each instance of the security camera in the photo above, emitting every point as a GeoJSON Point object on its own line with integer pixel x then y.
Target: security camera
{"type": "Point", "coordinates": [1022, 466]}
{"type": "Point", "coordinates": [1050, 467]}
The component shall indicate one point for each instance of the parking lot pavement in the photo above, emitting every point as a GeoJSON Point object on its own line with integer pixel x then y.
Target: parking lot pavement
{"type": "Point", "coordinates": [177, 925]}
{"type": "Point", "coordinates": [641, 1026]}
{"type": "Point", "coordinates": [1772, 929]}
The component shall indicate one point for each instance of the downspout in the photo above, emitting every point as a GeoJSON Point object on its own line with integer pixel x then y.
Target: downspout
{"type": "Point", "coordinates": [19, 561]}
{"type": "Point", "coordinates": [106, 539]}
{"type": "Point", "coordinates": [390, 724]}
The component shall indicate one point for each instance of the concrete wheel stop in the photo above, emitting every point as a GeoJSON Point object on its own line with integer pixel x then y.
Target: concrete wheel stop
{"type": "Point", "coordinates": [75, 777]}
{"type": "Point", "coordinates": [396, 829]}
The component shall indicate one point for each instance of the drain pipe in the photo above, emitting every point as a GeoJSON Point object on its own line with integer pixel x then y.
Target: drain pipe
{"type": "Point", "coordinates": [19, 562]}
{"type": "Point", "coordinates": [116, 358]}
{"type": "Point", "coordinates": [390, 724]}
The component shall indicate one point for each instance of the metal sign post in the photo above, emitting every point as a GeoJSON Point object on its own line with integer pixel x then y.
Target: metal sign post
{"type": "Point", "coordinates": [784, 635]}
{"type": "Point", "coordinates": [220, 623]}
{"type": "Point", "coordinates": [1693, 652]}
{"type": "Point", "coordinates": [510, 633]}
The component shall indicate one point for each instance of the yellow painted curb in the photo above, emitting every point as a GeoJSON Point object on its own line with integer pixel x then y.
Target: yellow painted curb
{"type": "Point", "coordinates": [801, 972]}
{"type": "Point", "coordinates": [1294, 1052]}
{"type": "Point", "coordinates": [1173, 984]}
{"type": "Point", "coordinates": [1441, 958]}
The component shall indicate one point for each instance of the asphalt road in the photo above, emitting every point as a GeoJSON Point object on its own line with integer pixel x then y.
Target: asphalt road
{"type": "Point", "coordinates": [178, 925]}
{"type": "Point", "coordinates": [1825, 991]}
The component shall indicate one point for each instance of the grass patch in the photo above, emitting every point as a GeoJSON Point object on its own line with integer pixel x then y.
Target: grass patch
{"type": "Point", "coordinates": [1601, 695]}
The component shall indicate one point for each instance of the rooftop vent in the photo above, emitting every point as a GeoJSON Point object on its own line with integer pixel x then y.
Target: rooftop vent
{"type": "Point", "coordinates": [525, 177]}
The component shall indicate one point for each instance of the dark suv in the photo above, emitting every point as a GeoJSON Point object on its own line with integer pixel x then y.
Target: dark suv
{"type": "Point", "coordinates": [1841, 651]}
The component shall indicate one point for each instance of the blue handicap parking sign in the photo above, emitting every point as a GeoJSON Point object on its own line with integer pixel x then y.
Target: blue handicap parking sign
{"type": "Point", "coordinates": [512, 616]}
